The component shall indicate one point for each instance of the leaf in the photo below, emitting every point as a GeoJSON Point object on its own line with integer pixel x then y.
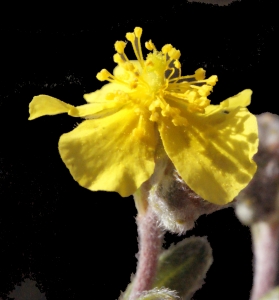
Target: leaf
{"type": "Point", "coordinates": [182, 267]}
{"type": "Point", "coordinates": [272, 295]}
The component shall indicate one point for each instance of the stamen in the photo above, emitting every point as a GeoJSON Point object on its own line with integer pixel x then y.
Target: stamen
{"type": "Point", "coordinates": [191, 96]}
{"type": "Point", "coordinates": [204, 102]}
{"type": "Point", "coordinates": [174, 54]}
{"type": "Point", "coordinates": [171, 55]}
{"type": "Point", "coordinates": [154, 116]}
{"type": "Point", "coordinates": [138, 32]}
{"type": "Point", "coordinates": [133, 84]}
{"type": "Point", "coordinates": [118, 96]}
{"type": "Point", "coordinates": [139, 132]}
{"type": "Point", "coordinates": [176, 72]}
{"type": "Point", "coordinates": [150, 46]}
{"type": "Point", "coordinates": [117, 58]}
{"type": "Point", "coordinates": [176, 95]}
{"type": "Point", "coordinates": [169, 72]}
{"type": "Point", "coordinates": [128, 66]}
{"type": "Point", "coordinates": [169, 111]}
{"type": "Point", "coordinates": [166, 48]}
{"type": "Point", "coordinates": [200, 74]}
{"type": "Point", "coordinates": [184, 79]}
{"type": "Point", "coordinates": [134, 38]}
{"type": "Point", "coordinates": [205, 90]}
{"type": "Point", "coordinates": [155, 104]}
{"type": "Point", "coordinates": [106, 75]}
{"type": "Point", "coordinates": [155, 85]}
{"type": "Point", "coordinates": [177, 64]}
{"type": "Point", "coordinates": [130, 36]}
{"type": "Point", "coordinates": [212, 80]}
{"type": "Point", "coordinates": [119, 47]}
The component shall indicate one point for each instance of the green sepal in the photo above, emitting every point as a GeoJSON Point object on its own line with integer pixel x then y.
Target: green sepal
{"type": "Point", "coordinates": [182, 267]}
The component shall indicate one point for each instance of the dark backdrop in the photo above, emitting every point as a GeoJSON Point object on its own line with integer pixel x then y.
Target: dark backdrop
{"type": "Point", "coordinates": [79, 244]}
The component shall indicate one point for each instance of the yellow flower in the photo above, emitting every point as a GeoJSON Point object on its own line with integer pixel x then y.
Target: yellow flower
{"type": "Point", "coordinates": [149, 104]}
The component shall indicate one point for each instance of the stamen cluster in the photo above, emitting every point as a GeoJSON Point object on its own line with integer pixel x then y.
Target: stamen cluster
{"type": "Point", "coordinates": [152, 85]}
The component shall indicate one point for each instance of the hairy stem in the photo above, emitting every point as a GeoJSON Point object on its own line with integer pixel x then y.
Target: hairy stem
{"type": "Point", "coordinates": [150, 244]}
{"type": "Point", "coordinates": [265, 242]}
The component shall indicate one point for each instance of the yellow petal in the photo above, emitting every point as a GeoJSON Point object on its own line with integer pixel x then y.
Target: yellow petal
{"type": "Point", "coordinates": [100, 95]}
{"type": "Point", "coordinates": [213, 154]}
{"type": "Point", "coordinates": [95, 110]}
{"type": "Point", "coordinates": [242, 99]}
{"type": "Point", "coordinates": [114, 153]}
{"type": "Point", "coordinates": [46, 105]}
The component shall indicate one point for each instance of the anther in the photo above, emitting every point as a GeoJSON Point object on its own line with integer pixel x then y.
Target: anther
{"type": "Point", "coordinates": [212, 80]}
{"type": "Point", "coordinates": [154, 105]}
{"type": "Point", "coordinates": [120, 46]}
{"type": "Point", "coordinates": [204, 102]}
{"type": "Point", "coordinates": [200, 74]}
{"type": "Point", "coordinates": [128, 66]}
{"type": "Point", "coordinates": [166, 48]}
{"type": "Point", "coordinates": [177, 64]}
{"type": "Point", "coordinates": [154, 117]}
{"type": "Point", "coordinates": [133, 84]}
{"type": "Point", "coordinates": [174, 54]}
{"type": "Point", "coordinates": [130, 37]}
{"type": "Point", "coordinates": [191, 95]}
{"type": "Point", "coordinates": [205, 90]}
{"type": "Point", "coordinates": [150, 46]}
{"type": "Point", "coordinates": [138, 32]}
{"type": "Point", "coordinates": [103, 75]}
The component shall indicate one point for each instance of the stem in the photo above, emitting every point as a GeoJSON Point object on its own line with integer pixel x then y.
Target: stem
{"type": "Point", "coordinates": [265, 241]}
{"type": "Point", "coordinates": [150, 244]}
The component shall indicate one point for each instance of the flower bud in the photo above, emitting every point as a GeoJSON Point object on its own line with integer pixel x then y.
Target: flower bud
{"type": "Point", "coordinates": [175, 204]}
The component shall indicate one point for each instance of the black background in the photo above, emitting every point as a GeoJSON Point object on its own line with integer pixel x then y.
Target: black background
{"type": "Point", "coordinates": [79, 244]}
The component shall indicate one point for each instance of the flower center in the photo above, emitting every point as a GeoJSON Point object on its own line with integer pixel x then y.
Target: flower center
{"type": "Point", "coordinates": [152, 84]}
